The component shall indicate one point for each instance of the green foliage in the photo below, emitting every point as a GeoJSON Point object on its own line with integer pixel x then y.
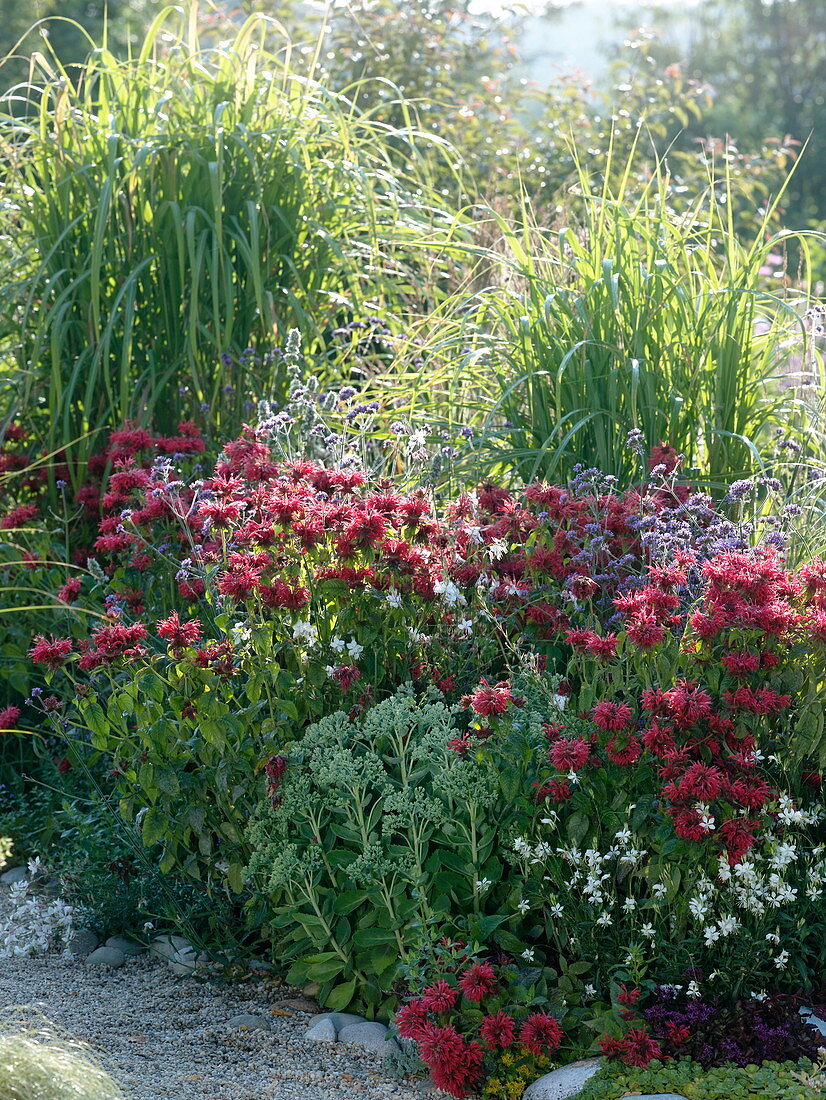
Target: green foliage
{"type": "Point", "coordinates": [71, 26]}
{"type": "Point", "coordinates": [378, 829]}
{"type": "Point", "coordinates": [626, 317]}
{"type": "Point", "coordinates": [771, 1081]}
{"type": "Point", "coordinates": [765, 62]}
{"type": "Point", "coordinates": [182, 204]}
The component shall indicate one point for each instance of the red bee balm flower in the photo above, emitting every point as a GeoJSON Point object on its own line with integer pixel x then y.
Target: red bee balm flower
{"type": "Point", "coordinates": [439, 997]}
{"type": "Point", "coordinates": [51, 652]}
{"type": "Point", "coordinates": [179, 634]}
{"type": "Point", "coordinates": [498, 1030]}
{"type": "Point", "coordinates": [411, 1020]}
{"type": "Point", "coordinates": [8, 718]}
{"type": "Point", "coordinates": [478, 982]}
{"type": "Point", "coordinates": [569, 755]}
{"type": "Point", "coordinates": [612, 716]}
{"type": "Point", "coordinates": [490, 699]}
{"type": "Point", "coordinates": [540, 1033]}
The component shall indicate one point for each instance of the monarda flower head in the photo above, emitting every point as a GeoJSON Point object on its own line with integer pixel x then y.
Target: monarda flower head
{"type": "Point", "coordinates": [498, 1031]}
{"type": "Point", "coordinates": [411, 1020]}
{"type": "Point", "coordinates": [540, 1034]}
{"type": "Point", "coordinates": [490, 699]}
{"type": "Point", "coordinates": [569, 755]}
{"type": "Point", "coordinates": [687, 704]}
{"type": "Point", "coordinates": [612, 716]}
{"type": "Point", "coordinates": [51, 652]}
{"type": "Point", "coordinates": [439, 997]}
{"type": "Point", "coordinates": [9, 717]}
{"type": "Point", "coordinates": [478, 982]}
{"type": "Point", "coordinates": [179, 634]}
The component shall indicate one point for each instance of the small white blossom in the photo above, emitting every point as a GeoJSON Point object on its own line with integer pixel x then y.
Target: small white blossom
{"type": "Point", "coordinates": [354, 649]}
{"type": "Point", "coordinates": [497, 549]}
{"type": "Point", "coordinates": [305, 633]}
{"type": "Point", "coordinates": [528, 954]}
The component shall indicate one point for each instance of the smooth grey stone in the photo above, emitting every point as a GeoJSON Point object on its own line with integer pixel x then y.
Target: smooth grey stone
{"type": "Point", "coordinates": [368, 1035]}
{"type": "Point", "coordinates": [164, 947]}
{"type": "Point", "coordinates": [562, 1083]}
{"type": "Point", "coordinates": [126, 945]}
{"type": "Point", "coordinates": [322, 1032]}
{"type": "Point", "coordinates": [338, 1019]}
{"type": "Point", "coordinates": [250, 1021]}
{"type": "Point", "coordinates": [815, 1021]}
{"type": "Point", "coordinates": [83, 942]}
{"type": "Point", "coordinates": [106, 956]}
{"type": "Point", "coordinates": [14, 875]}
{"type": "Point", "coordinates": [184, 962]}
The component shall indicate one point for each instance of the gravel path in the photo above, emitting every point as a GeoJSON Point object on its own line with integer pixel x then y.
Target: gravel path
{"type": "Point", "coordinates": [162, 1036]}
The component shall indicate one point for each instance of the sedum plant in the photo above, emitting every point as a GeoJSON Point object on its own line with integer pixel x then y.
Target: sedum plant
{"type": "Point", "coordinates": [788, 1080]}
{"type": "Point", "coordinates": [375, 828]}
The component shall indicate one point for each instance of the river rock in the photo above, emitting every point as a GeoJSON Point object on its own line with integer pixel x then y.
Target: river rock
{"type": "Point", "coordinates": [83, 942]}
{"type": "Point", "coordinates": [106, 956]}
{"type": "Point", "coordinates": [368, 1035]}
{"type": "Point", "coordinates": [14, 875]}
{"type": "Point", "coordinates": [337, 1019]}
{"type": "Point", "coordinates": [126, 945]}
{"type": "Point", "coordinates": [164, 947]}
{"type": "Point", "coordinates": [815, 1021]}
{"type": "Point", "coordinates": [184, 962]}
{"type": "Point", "coordinates": [250, 1021]}
{"type": "Point", "coordinates": [560, 1084]}
{"type": "Point", "coordinates": [322, 1032]}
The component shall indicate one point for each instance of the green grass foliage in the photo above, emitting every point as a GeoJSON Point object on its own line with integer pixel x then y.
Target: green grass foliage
{"type": "Point", "coordinates": [193, 200]}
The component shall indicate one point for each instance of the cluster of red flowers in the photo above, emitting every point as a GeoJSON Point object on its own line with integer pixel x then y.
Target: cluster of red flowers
{"type": "Point", "coordinates": [458, 1063]}
{"type": "Point", "coordinates": [700, 734]}
{"type": "Point", "coordinates": [635, 1048]}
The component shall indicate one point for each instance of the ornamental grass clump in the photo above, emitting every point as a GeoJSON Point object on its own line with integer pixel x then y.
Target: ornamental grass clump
{"type": "Point", "coordinates": [38, 1064]}
{"type": "Point", "coordinates": [170, 211]}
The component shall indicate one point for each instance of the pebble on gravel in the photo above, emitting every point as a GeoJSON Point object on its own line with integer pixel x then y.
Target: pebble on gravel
{"type": "Point", "coordinates": [164, 947]}
{"type": "Point", "coordinates": [814, 1020]}
{"type": "Point", "coordinates": [126, 945]}
{"type": "Point", "coordinates": [368, 1035]}
{"type": "Point", "coordinates": [322, 1032]}
{"type": "Point", "coordinates": [250, 1021]}
{"type": "Point", "coordinates": [106, 956]}
{"type": "Point", "coordinates": [337, 1019]}
{"type": "Point", "coordinates": [83, 942]}
{"type": "Point", "coordinates": [184, 963]}
{"type": "Point", "coordinates": [300, 1004]}
{"type": "Point", "coordinates": [560, 1084]}
{"type": "Point", "coordinates": [14, 875]}
{"type": "Point", "coordinates": [166, 1038]}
